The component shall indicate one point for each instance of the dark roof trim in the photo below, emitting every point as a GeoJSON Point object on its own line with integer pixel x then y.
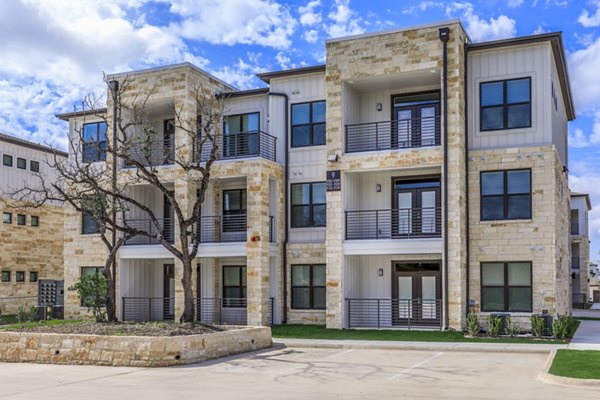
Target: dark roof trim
{"type": "Point", "coordinates": [267, 76]}
{"type": "Point", "coordinates": [558, 49]}
{"type": "Point", "coordinates": [32, 145]}
{"type": "Point", "coordinates": [242, 93]}
{"type": "Point", "coordinates": [68, 116]}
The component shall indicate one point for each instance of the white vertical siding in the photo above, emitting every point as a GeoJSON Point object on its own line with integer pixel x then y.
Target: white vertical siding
{"type": "Point", "coordinates": [559, 117]}
{"type": "Point", "coordinates": [579, 203]}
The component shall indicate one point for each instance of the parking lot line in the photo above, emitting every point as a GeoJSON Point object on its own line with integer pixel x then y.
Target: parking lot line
{"type": "Point", "coordinates": [416, 365]}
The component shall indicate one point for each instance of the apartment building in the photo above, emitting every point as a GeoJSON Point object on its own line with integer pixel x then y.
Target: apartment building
{"type": "Point", "coordinates": [411, 179]}
{"type": "Point", "coordinates": [31, 245]}
{"type": "Point", "coordinates": [580, 248]}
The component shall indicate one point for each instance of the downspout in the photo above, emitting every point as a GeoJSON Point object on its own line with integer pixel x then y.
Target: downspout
{"type": "Point", "coordinates": [114, 87]}
{"type": "Point", "coordinates": [285, 202]}
{"type": "Point", "coordinates": [468, 231]}
{"type": "Point", "coordinates": [444, 34]}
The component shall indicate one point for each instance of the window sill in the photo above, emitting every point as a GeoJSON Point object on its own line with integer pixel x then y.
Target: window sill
{"type": "Point", "coordinates": [506, 221]}
{"type": "Point", "coordinates": [313, 310]}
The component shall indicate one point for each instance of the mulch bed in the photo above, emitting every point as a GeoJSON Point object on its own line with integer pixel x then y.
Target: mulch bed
{"type": "Point", "coordinates": [123, 329]}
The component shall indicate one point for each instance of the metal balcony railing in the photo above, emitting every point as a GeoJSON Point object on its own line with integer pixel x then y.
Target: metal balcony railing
{"type": "Point", "coordinates": [241, 145]}
{"type": "Point", "coordinates": [575, 228]}
{"type": "Point", "coordinates": [403, 223]}
{"type": "Point", "coordinates": [222, 228]}
{"type": "Point", "coordinates": [226, 311]}
{"type": "Point", "coordinates": [394, 313]}
{"type": "Point", "coordinates": [145, 309]}
{"type": "Point", "coordinates": [155, 153]}
{"type": "Point", "coordinates": [575, 263]}
{"type": "Point", "coordinates": [396, 134]}
{"type": "Point", "coordinates": [165, 229]}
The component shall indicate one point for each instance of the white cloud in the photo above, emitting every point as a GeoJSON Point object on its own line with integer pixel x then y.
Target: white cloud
{"type": "Point", "coordinates": [262, 22]}
{"type": "Point", "coordinates": [514, 3]}
{"type": "Point", "coordinates": [583, 66]}
{"type": "Point", "coordinates": [422, 6]}
{"type": "Point", "coordinates": [539, 30]}
{"type": "Point", "coordinates": [480, 29]}
{"type": "Point", "coordinates": [590, 20]}
{"type": "Point", "coordinates": [311, 36]}
{"type": "Point", "coordinates": [345, 21]}
{"type": "Point", "coordinates": [308, 16]}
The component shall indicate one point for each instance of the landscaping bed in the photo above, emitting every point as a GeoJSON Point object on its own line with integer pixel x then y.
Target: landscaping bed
{"type": "Point", "coordinates": [116, 329]}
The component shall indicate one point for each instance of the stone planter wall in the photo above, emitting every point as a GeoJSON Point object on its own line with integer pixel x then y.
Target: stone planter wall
{"type": "Point", "coordinates": [131, 351]}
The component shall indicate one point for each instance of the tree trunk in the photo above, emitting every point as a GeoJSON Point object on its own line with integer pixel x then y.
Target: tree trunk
{"type": "Point", "coordinates": [188, 294]}
{"type": "Point", "coordinates": [111, 312]}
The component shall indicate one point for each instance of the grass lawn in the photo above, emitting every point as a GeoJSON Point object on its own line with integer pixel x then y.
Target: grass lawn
{"type": "Point", "coordinates": [583, 364]}
{"type": "Point", "coordinates": [320, 332]}
{"type": "Point", "coordinates": [33, 324]}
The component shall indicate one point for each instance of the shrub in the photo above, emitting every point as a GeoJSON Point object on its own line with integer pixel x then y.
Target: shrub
{"type": "Point", "coordinates": [564, 327]}
{"type": "Point", "coordinates": [472, 325]}
{"type": "Point", "coordinates": [26, 314]}
{"type": "Point", "coordinates": [494, 323]}
{"type": "Point", "coordinates": [512, 328]}
{"type": "Point", "coordinates": [92, 290]}
{"type": "Point", "coordinates": [537, 326]}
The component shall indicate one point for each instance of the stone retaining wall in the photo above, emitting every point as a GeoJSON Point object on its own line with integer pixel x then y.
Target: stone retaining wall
{"type": "Point", "coordinates": [130, 351]}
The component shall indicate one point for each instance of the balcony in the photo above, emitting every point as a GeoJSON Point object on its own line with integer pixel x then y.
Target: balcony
{"type": "Point", "coordinates": [392, 135]}
{"type": "Point", "coordinates": [242, 145]}
{"type": "Point", "coordinates": [394, 313]}
{"type": "Point", "coordinates": [222, 228]}
{"type": "Point", "coordinates": [575, 263]}
{"type": "Point", "coordinates": [163, 227]}
{"type": "Point", "coordinates": [407, 223]}
{"type": "Point", "coordinates": [575, 228]}
{"type": "Point", "coordinates": [153, 154]}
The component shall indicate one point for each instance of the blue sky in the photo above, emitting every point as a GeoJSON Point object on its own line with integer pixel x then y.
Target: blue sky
{"type": "Point", "coordinates": [55, 51]}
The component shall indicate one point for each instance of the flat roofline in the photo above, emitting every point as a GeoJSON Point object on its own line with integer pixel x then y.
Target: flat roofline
{"type": "Point", "coordinates": [185, 64]}
{"type": "Point", "coordinates": [31, 145]}
{"type": "Point", "coordinates": [587, 198]}
{"type": "Point", "coordinates": [267, 76]}
{"type": "Point", "coordinates": [397, 30]}
{"type": "Point", "coordinates": [558, 50]}
{"type": "Point", "coordinates": [248, 92]}
{"type": "Point", "coordinates": [83, 113]}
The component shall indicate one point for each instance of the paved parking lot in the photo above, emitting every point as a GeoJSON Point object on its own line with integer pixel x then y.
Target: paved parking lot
{"type": "Point", "coordinates": [294, 373]}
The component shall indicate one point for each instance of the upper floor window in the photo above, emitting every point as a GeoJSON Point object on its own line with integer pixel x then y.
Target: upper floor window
{"type": "Point", "coordinates": [35, 220]}
{"type": "Point", "coordinates": [5, 276]}
{"type": "Point", "coordinates": [506, 195]}
{"type": "Point", "coordinates": [21, 163]}
{"type": "Point", "coordinates": [88, 224]}
{"type": "Point", "coordinates": [94, 142]}
{"type": "Point", "coordinates": [308, 205]}
{"type": "Point", "coordinates": [505, 104]}
{"type": "Point", "coordinates": [21, 219]}
{"type": "Point", "coordinates": [308, 124]}
{"type": "Point", "coordinates": [7, 218]}
{"type": "Point", "coordinates": [34, 166]}
{"type": "Point", "coordinates": [7, 160]}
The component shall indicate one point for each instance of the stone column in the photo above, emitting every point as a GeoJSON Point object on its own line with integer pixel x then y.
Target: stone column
{"type": "Point", "coordinates": [257, 263]}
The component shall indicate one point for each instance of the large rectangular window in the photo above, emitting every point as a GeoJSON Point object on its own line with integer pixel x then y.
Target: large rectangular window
{"type": "Point", "coordinates": [88, 224]}
{"type": "Point", "coordinates": [506, 195]}
{"type": "Point", "coordinates": [308, 286]}
{"type": "Point", "coordinates": [308, 205]}
{"type": "Point", "coordinates": [506, 286]}
{"type": "Point", "coordinates": [308, 124]}
{"type": "Point", "coordinates": [505, 104]}
{"type": "Point", "coordinates": [94, 142]}
{"type": "Point", "coordinates": [234, 286]}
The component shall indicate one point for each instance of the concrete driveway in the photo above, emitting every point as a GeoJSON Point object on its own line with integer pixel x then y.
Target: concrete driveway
{"type": "Point", "coordinates": [288, 373]}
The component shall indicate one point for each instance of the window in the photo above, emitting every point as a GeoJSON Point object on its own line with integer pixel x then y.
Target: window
{"type": "Point", "coordinates": [88, 224]}
{"type": "Point", "coordinates": [94, 142]}
{"type": "Point", "coordinates": [21, 163]}
{"type": "Point", "coordinates": [506, 286]}
{"type": "Point", "coordinates": [240, 135]}
{"type": "Point", "coordinates": [5, 276]}
{"type": "Point", "coordinates": [20, 276]}
{"type": "Point", "coordinates": [33, 276]}
{"type": "Point", "coordinates": [21, 219]}
{"type": "Point", "coordinates": [308, 205]}
{"type": "Point", "coordinates": [505, 104]}
{"type": "Point", "coordinates": [234, 286]}
{"type": "Point", "coordinates": [308, 287]}
{"type": "Point", "coordinates": [7, 218]}
{"type": "Point", "coordinates": [234, 210]}
{"type": "Point", "coordinates": [35, 220]}
{"type": "Point", "coordinates": [506, 195]}
{"type": "Point", "coordinates": [308, 124]}
{"type": "Point", "coordinates": [34, 166]}
{"type": "Point", "coordinates": [85, 271]}
{"type": "Point", "coordinates": [7, 160]}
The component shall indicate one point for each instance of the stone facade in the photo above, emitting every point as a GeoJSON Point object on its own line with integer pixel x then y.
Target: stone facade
{"type": "Point", "coordinates": [25, 248]}
{"type": "Point", "coordinates": [131, 351]}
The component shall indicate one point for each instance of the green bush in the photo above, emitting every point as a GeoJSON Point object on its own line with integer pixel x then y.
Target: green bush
{"type": "Point", "coordinates": [512, 328]}
{"type": "Point", "coordinates": [494, 323]}
{"type": "Point", "coordinates": [537, 326]}
{"type": "Point", "coordinates": [564, 327]}
{"type": "Point", "coordinates": [26, 314]}
{"type": "Point", "coordinates": [472, 325]}
{"type": "Point", "coordinates": [92, 290]}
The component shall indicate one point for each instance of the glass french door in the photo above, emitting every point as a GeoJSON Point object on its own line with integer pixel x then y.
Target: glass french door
{"type": "Point", "coordinates": [416, 290]}
{"type": "Point", "coordinates": [416, 118]}
{"type": "Point", "coordinates": [234, 210]}
{"type": "Point", "coordinates": [240, 135]}
{"type": "Point", "coordinates": [168, 291]}
{"type": "Point", "coordinates": [416, 208]}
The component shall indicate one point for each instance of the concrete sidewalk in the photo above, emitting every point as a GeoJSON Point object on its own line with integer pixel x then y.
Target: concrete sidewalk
{"type": "Point", "coordinates": [587, 336]}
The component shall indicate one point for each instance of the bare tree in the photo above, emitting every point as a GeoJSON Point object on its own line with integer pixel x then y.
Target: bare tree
{"type": "Point", "coordinates": [89, 187]}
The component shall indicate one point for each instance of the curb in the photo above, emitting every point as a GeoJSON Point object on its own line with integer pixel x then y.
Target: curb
{"type": "Point", "coordinates": [419, 346]}
{"type": "Point", "coordinates": [547, 377]}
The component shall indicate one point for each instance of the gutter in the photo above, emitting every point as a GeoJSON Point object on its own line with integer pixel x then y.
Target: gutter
{"type": "Point", "coordinates": [444, 35]}
{"type": "Point", "coordinates": [467, 233]}
{"type": "Point", "coordinates": [285, 202]}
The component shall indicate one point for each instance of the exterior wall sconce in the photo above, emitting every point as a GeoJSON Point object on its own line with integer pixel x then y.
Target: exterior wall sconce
{"type": "Point", "coordinates": [378, 187]}
{"type": "Point", "coordinates": [332, 157]}
{"type": "Point", "coordinates": [379, 106]}
{"type": "Point", "coordinates": [380, 272]}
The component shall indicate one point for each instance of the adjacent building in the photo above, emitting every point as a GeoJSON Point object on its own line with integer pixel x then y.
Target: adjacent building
{"type": "Point", "coordinates": [31, 245]}
{"type": "Point", "coordinates": [580, 248]}
{"type": "Point", "coordinates": [413, 178]}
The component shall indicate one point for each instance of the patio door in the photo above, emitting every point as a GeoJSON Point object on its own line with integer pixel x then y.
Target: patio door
{"type": "Point", "coordinates": [168, 220]}
{"type": "Point", "coordinates": [240, 135]}
{"type": "Point", "coordinates": [416, 117]}
{"type": "Point", "coordinates": [416, 293]}
{"type": "Point", "coordinates": [234, 214]}
{"type": "Point", "coordinates": [416, 205]}
{"type": "Point", "coordinates": [168, 291]}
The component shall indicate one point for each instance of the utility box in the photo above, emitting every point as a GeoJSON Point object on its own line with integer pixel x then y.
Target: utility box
{"type": "Point", "coordinates": [51, 299]}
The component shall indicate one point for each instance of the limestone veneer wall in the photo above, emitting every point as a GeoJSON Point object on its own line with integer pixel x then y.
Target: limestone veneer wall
{"type": "Point", "coordinates": [129, 351]}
